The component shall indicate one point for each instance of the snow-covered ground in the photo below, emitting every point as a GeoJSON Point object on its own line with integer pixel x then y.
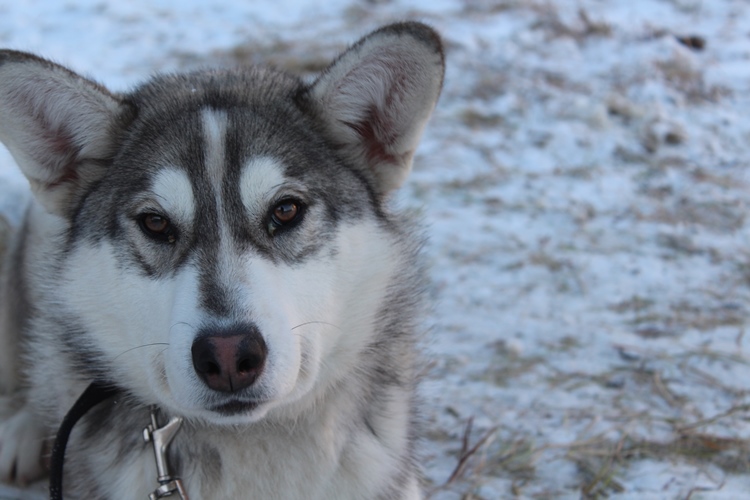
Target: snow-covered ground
{"type": "Point", "coordinates": [586, 187]}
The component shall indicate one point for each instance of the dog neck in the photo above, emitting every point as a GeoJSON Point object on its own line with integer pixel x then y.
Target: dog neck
{"type": "Point", "coordinates": [160, 437]}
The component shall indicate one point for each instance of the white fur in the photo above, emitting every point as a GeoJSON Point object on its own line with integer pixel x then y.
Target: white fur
{"type": "Point", "coordinates": [172, 190]}
{"type": "Point", "coordinates": [22, 438]}
{"type": "Point", "coordinates": [129, 309]}
{"type": "Point", "coordinates": [259, 180]}
{"type": "Point", "coordinates": [214, 134]}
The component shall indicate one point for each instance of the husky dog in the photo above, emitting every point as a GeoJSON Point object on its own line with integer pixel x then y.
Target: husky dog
{"type": "Point", "coordinates": [219, 245]}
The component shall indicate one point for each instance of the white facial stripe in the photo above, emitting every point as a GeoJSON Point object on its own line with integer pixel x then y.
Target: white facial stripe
{"type": "Point", "coordinates": [260, 177]}
{"type": "Point", "coordinates": [215, 124]}
{"type": "Point", "coordinates": [174, 192]}
{"type": "Point", "coordinates": [214, 132]}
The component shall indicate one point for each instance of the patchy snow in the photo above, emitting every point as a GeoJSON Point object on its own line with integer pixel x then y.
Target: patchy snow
{"type": "Point", "coordinates": [585, 182]}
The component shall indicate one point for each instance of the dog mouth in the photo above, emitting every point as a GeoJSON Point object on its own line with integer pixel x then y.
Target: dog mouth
{"type": "Point", "coordinates": [235, 407]}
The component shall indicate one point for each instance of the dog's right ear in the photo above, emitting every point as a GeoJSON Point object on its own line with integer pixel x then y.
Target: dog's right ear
{"type": "Point", "coordinates": [58, 126]}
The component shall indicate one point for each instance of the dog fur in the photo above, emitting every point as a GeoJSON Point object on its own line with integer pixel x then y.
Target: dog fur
{"type": "Point", "coordinates": [198, 215]}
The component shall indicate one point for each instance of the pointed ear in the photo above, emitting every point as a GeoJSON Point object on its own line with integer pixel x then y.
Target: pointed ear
{"type": "Point", "coordinates": [58, 126]}
{"type": "Point", "coordinates": [377, 96]}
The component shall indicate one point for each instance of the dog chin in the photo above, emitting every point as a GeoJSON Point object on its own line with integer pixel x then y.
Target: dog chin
{"type": "Point", "coordinates": [235, 413]}
{"type": "Point", "coordinates": [235, 407]}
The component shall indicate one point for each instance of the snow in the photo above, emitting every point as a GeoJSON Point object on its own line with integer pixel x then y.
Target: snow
{"type": "Point", "coordinates": [585, 187]}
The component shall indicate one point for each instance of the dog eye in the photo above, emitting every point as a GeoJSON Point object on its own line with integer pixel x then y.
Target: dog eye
{"type": "Point", "coordinates": [284, 214]}
{"type": "Point", "coordinates": [157, 227]}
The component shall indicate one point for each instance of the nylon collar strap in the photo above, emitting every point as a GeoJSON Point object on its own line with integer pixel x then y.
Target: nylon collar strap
{"type": "Point", "coordinates": [95, 393]}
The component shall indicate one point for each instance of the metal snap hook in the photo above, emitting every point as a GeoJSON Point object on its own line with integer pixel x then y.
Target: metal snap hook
{"type": "Point", "coordinates": [161, 437]}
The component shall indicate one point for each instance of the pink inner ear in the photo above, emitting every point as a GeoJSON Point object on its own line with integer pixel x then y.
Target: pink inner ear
{"type": "Point", "coordinates": [52, 146]}
{"type": "Point", "coordinates": [375, 149]}
{"type": "Point", "coordinates": [57, 155]}
{"type": "Point", "coordinates": [384, 82]}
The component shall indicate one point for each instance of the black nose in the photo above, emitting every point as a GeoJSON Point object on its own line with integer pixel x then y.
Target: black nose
{"type": "Point", "coordinates": [229, 359]}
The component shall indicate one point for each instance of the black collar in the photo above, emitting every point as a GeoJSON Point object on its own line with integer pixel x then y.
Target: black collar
{"type": "Point", "coordinates": [95, 393]}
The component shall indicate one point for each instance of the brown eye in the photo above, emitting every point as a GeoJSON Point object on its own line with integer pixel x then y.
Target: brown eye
{"type": "Point", "coordinates": [157, 227]}
{"type": "Point", "coordinates": [285, 214]}
{"type": "Point", "coordinates": [155, 223]}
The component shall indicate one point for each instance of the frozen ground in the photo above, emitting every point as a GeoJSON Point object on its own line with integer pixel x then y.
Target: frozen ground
{"type": "Point", "coordinates": [586, 187]}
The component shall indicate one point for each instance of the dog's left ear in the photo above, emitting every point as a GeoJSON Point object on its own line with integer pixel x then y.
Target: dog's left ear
{"type": "Point", "coordinates": [377, 96]}
{"type": "Point", "coordinates": [58, 126]}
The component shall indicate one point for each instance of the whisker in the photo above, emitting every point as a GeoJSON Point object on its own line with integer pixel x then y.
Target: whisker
{"type": "Point", "coordinates": [141, 346]}
{"type": "Point", "coordinates": [316, 322]}
{"type": "Point", "coordinates": [180, 323]}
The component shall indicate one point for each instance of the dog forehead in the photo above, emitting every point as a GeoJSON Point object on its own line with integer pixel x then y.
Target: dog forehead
{"type": "Point", "coordinates": [258, 175]}
{"type": "Point", "coordinates": [217, 88]}
{"type": "Point", "coordinates": [175, 113]}
{"type": "Point", "coordinates": [220, 151]}
{"type": "Point", "coordinates": [259, 178]}
{"type": "Point", "coordinates": [174, 190]}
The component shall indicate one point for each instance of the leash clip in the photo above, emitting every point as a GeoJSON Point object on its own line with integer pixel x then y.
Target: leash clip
{"type": "Point", "coordinates": [161, 437]}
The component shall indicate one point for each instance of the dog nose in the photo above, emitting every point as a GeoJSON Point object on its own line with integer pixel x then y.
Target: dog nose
{"type": "Point", "coordinates": [229, 359]}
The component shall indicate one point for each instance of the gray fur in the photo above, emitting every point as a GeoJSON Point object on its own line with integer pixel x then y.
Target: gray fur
{"type": "Point", "coordinates": [336, 292]}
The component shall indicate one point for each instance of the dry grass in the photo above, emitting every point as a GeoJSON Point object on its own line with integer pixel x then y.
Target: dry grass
{"type": "Point", "coordinates": [717, 216]}
{"type": "Point", "coordinates": [483, 456]}
{"type": "Point", "coordinates": [508, 365]}
{"type": "Point", "coordinates": [601, 460]}
{"type": "Point", "coordinates": [304, 60]}
{"type": "Point", "coordinates": [475, 119]}
{"type": "Point", "coordinates": [681, 75]}
{"type": "Point", "coordinates": [585, 27]}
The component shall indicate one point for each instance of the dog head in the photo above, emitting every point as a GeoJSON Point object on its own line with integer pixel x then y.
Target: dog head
{"type": "Point", "coordinates": [226, 248]}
